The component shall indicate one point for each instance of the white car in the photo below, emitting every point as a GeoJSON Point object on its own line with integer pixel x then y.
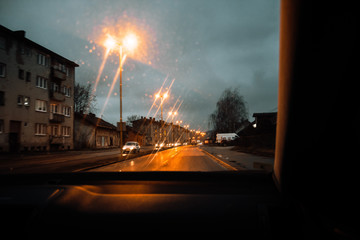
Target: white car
{"type": "Point", "coordinates": [131, 147]}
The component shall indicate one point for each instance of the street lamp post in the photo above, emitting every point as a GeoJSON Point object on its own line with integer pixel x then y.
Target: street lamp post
{"type": "Point", "coordinates": [172, 115]}
{"type": "Point", "coordinates": [121, 120]}
{"type": "Point", "coordinates": [162, 97]}
{"type": "Point", "coordinates": [130, 43]}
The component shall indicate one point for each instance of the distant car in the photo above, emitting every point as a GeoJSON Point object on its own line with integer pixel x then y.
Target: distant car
{"type": "Point", "coordinates": [159, 145]}
{"type": "Point", "coordinates": [131, 147]}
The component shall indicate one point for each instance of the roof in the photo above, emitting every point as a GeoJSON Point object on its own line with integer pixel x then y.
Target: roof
{"type": "Point", "coordinates": [95, 121]}
{"type": "Point", "coordinates": [20, 35]}
{"type": "Point", "coordinates": [265, 114]}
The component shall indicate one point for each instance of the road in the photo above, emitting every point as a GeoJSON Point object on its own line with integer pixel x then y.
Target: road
{"type": "Point", "coordinates": [185, 158]}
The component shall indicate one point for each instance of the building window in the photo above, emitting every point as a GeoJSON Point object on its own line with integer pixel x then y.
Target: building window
{"type": "Point", "coordinates": [68, 71]}
{"type": "Point", "coordinates": [2, 42]}
{"type": "Point", "coordinates": [21, 74]}
{"type": "Point", "coordinates": [2, 98]}
{"type": "Point", "coordinates": [42, 60]}
{"type": "Point", "coordinates": [2, 70]}
{"type": "Point", "coordinates": [2, 128]}
{"type": "Point", "coordinates": [54, 130]}
{"type": "Point", "coordinates": [66, 111]}
{"type": "Point", "coordinates": [55, 87]}
{"type": "Point", "coordinates": [26, 101]}
{"type": "Point", "coordinates": [20, 100]}
{"type": "Point", "coordinates": [41, 82]}
{"type": "Point", "coordinates": [62, 68]}
{"type": "Point", "coordinates": [40, 129]}
{"type": "Point", "coordinates": [68, 92]}
{"type": "Point", "coordinates": [28, 76]}
{"type": "Point", "coordinates": [25, 50]}
{"type": "Point", "coordinates": [65, 131]}
{"type": "Point", "coordinates": [54, 108]}
{"type": "Point", "coordinates": [40, 106]}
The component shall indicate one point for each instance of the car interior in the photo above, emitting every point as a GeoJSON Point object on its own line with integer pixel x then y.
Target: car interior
{"type": "Point", "coordinates": [310, 194]}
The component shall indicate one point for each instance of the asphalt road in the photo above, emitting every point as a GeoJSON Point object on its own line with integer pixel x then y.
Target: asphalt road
{"type": "Point", "coordinates": [185, 158]}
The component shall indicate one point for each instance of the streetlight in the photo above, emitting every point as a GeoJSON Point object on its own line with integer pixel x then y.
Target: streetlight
{"type": "Point", "coordinates": [129, 42]}
{"type": "Point", "coordinates": [187, 132]}
{"type": "Point", "coordinates": [172, 115]}
{"type": "Point", "coordinates": [162, 96]}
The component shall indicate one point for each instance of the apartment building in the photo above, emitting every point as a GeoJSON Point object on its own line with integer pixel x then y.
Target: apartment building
{"type": "Point", "coordinates": [36, 96]}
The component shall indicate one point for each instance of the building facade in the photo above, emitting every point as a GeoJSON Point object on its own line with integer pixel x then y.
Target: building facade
{"type": "Point", "coordinates": [91, 132]}
{"type": "Point", "coordinates": [161, 131]}
{"type": "Point", "coordinates": [36, 96]}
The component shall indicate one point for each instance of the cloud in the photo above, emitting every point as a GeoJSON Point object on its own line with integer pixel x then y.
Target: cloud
{"type": "Point", "coordinates": [205, 45]}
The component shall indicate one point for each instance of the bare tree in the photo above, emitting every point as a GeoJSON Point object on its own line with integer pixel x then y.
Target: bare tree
{"type": "Point", "coordinates": [84, 99]}
{"type": "Point", "coordinates": [132, 118]}
{"type": "Point", "coordinates": [230, 113]}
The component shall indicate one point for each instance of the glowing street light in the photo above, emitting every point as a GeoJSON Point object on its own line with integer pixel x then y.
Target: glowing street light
{"type": "Point", "coordinates": [110, 43]}
{"type": "Point", "coordinates": [172, 115]}
{"type": "Point", "coordinates": [129, 42]}
{"type": "Point", "coordinates": [163, 97]}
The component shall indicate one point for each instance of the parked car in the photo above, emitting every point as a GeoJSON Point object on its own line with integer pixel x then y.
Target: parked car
{"type": "Point", "coordinates": [131, 147]}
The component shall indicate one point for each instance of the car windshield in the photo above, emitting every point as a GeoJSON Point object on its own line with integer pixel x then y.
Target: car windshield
{"type": "Point", "coordinates": [131, 144]}
{"type": "Point", "coordinates": [192, 84]}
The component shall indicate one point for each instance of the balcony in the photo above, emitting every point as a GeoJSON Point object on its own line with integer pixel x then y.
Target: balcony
{"type": "Point", "coordinates": [57, 74]}
{"type": "Point", "coordinates": [56, 118]}
{"type": "Point", "coordinates": [57, 96]}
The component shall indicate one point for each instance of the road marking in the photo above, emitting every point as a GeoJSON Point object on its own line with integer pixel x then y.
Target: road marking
{"type": "Point", "coordinates": [224, 164]}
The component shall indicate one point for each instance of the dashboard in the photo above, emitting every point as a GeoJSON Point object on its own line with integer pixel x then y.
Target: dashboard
{"type": "Point", "coordinates": [104, 203]}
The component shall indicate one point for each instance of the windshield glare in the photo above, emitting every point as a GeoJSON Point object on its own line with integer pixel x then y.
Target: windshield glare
{"type": "Point", "coordinates": [191, 84]}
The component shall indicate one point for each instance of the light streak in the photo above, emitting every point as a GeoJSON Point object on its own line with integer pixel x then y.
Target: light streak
{"type": "Point", "coordinates": [110, 90]}
{"type": "Point", "coordinates": [153, 104]}
{"type": "Point", "coordinates": [162, 100]}
{"type": "Point", "coordinates": [101, 70]}
{"type": "Point", "coordinates": [113, 84]}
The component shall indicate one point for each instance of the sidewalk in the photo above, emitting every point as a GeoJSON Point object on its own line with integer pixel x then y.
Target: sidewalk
{"type": "Point", "coordinates": [240, 160]}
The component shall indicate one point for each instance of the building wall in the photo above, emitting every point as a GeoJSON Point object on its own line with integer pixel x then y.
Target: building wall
{"type": "Point", "coordinates": [158, 131]}
{"type": "Point", "coordinates": [27, 123]}
{"type": "Point", "coordinates": [86, 135]}
{"type": "Point", "coordinates": [106, 138]}
{"type": "Point", "coordinates": [135, 136]}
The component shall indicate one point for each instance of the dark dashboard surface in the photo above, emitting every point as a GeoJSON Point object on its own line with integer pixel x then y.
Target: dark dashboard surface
{"type": "Point", "coordinates": [99, 203]}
